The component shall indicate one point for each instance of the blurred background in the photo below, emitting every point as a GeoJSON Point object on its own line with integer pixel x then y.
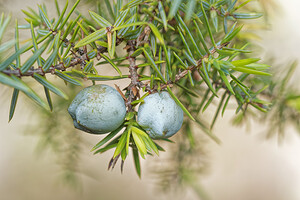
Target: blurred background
{"type": "Point", "coordinates": [244, 166]}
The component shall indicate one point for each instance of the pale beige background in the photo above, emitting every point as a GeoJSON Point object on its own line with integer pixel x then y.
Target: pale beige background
{"type": "Point", "coordinates": [244, 167]}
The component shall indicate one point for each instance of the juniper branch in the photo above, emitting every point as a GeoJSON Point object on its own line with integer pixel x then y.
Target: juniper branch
{"type": "Point", "coordinates": [132, 88]}
{"type": "Point", "coordinates": [185, 72]}
{"type": "Point", "coordinates": [135, 83]}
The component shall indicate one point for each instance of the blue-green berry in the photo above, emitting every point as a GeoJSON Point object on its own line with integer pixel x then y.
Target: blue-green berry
{"type": "Point", "coordinates": [160, 116]}
{"type": "Point", "coordinates": [98, 109]}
